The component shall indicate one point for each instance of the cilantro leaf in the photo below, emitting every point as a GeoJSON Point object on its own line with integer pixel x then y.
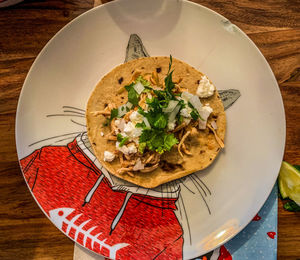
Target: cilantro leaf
{"type": "Point", "coordinates": [169, 141]}
{"type": "Point", "coordinates": [125, 139]}
{"type": "Point", "coordinates": [160, 121]}
{"type": "Point", "coordinates": [157, 140]}
{"type": "Point", "coordinates": [142, 147]}
{"type": "Point", "coordinates": [128, 87]}
{"type": "Point", "coordinates": [179, 118]}
{"type": "Point", "coordinates": [169, 85]}
{"type": "Point", "coordinates": [154, 104]}
{"type": "Point", "coordinates": [119, 137]}
{"type": "Point", "coordinates": [194, 114]}
{"type": "Point", "coordinates": [145, 82]}
{"type": "Point", "coordinates": [141, 125]}
{"type": "Point", "coordinates": [113, 113]}
{"type": "Point", "coordinates": [133, 97]}
{"type": "Point", "coordinates": [170, 63]}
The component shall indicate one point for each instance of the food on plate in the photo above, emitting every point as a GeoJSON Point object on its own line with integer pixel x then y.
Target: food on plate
{"type": "Point", "coordinates": [155, 119]}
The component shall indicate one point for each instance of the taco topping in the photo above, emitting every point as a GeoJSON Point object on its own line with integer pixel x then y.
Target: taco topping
{"type": "Point", "coordinates": [157, 117]}
{"type": "Point", "coordinates": [108, 156]}
{"type": "Point", "coordinates": [205, 88]}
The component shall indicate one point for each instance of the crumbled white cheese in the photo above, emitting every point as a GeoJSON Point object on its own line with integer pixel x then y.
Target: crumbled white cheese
{"type": "Point", "coordinates": [129, 128]}
{"type": "Point", "coordinates": [122, 149]}
{"type": "Point", "coordinates": [131, 148]}
{"type": "Point", "coordinates": [101, 133]}
{"type": "Point", "coordinates": [136, 117]}
{"type": "Point", "coordinates": [126, 149]}
{"type": "Point", "coordinates": [108, 156]}
{"type": "Point", "coordinates": [131, 131]}
{"type": "Point", "coordinates": [186, 112]}
{"type": "Point", "coordinates": [205, 88]}
{"type": "Point", "coordinates": [171, 126]}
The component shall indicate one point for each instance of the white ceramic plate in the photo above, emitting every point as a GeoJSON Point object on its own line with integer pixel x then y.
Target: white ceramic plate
{"type": "Point", "coordinates": [58, 86]}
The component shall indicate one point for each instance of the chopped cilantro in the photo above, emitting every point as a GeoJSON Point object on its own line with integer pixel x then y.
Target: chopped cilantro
{"type": "Point", "coordinates": [169, 84]}
{"type": "Point", "coordinates": [153, 104]}
{"type": "Point", "coordinates": [121, 139]}
{"type": "Point", "coordinates": [170, 63]}
{"type": "Point", "coordinates": [133, 97]}
{"type": "Point", "coordinates": [113, 113]}
{"type": "Point", "coordinates": [169, 141]}
{"type": "Point", "coordinates": [125, 139]}
{"type": "Point", "coordinates": [142, 147]}
{"type": "Point", "coordinates": [128, 87]}
{"type": "Point", "coordinates": [194, 114]}
{"type": "Point", "coordinates": [158, 140]}
{"type": "Point", "coordinates": [141, 125]}
{"type": "Point", "coordinates": [179, 119]}
{"type": "Point", "coordinates": [160, 121]}
{"type": "Point", "coordinates": [145, 82]}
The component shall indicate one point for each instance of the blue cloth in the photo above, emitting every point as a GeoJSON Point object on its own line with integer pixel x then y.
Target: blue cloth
{"type": "Point", "coordinates": [258, 240]}
{"type": "Point", "coordinates": [253, 242]}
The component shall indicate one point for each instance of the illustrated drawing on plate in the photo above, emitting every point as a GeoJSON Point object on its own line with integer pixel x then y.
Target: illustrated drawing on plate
{"type": "Point", "coordinates": [104, 213]}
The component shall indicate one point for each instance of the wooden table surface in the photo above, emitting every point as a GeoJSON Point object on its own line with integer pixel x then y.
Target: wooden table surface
{"type": "Point", "coordinates": [25, 233]}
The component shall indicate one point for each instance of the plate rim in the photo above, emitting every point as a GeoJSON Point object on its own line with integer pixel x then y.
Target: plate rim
{"type": "Point", "coordinates": [196, 5]}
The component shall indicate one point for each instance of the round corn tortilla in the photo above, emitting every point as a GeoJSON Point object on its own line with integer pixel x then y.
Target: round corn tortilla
{"type": "Point", "coordinates": [204, 146]}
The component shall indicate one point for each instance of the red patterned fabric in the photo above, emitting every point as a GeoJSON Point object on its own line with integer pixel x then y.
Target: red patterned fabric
{"type": "Point", "coordinates": [62, 176]}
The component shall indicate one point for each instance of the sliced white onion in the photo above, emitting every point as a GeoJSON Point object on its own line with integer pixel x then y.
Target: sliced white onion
{"type": "Point", "coordinates": [129, 105]}
{"type": "Point", "coordinates": [214, 125]}
{"type": "Point", "coordinates": [196, 103]}
{"type": "Point", "coordinates": [139, 165]}
{"type": "Point", "coordinates": [147, 123]}
{"type": "Point", "coordinates": [174, 113]}
{"type": "Point", "coordinates": [172, 104]}
{"type": "Point", "coordinates": [186, 95]}
{"type": "Point", "coordinates": [202, 124]}
{"type": "Point", "coordinates": [204, 113]}
{"type": "Point", "coordinates": [136, 132]}
{"type": "Point", "coordinates": [139, 88]}
{"type": "Point", "coordinates": [122, 110]}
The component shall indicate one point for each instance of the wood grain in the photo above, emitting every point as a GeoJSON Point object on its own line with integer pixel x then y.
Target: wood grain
{"type": "Point", "coordinates": [25, 233]}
